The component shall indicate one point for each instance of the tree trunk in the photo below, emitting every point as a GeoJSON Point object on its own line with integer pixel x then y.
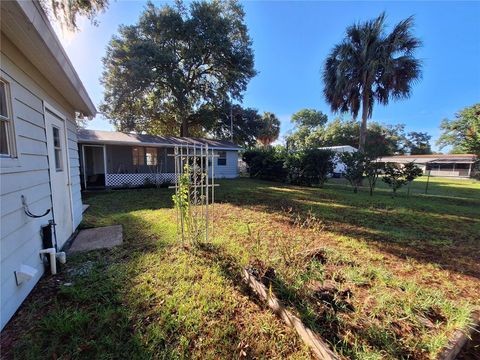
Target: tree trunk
{"type": "Point", "coordinates": [363, 126]}
{"type": "Point", "coordinates": [184, 128]}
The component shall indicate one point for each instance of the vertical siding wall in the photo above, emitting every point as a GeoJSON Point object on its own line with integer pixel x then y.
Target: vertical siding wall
{"type": "Point", "coordinates": [28, 175]}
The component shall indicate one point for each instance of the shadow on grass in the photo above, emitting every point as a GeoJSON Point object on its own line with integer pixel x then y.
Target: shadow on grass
{"type": "Point", "coordinates": [116, 202]}
{"type": "Point", "coordinates": [81, 312]}
{"type": "Point", "coordinates": [428, 229]}
{"type": "Point", "coordinates": [320, 318]}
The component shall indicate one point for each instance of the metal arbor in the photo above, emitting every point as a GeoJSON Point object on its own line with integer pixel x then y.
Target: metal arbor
{"type": "Point", "coordinates": [194, 192]}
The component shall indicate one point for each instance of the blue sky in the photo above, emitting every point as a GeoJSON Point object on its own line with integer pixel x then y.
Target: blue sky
{"type": "Point", "coordinates": [291, 40]}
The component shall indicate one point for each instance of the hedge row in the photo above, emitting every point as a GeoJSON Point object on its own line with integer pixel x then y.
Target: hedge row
{"type": "Point", "coordinates": [308, 167]}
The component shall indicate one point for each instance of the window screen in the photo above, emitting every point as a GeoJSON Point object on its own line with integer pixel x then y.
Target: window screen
{"type": "Point", "coordinates": [138, 154]}
{"type": "Point", "coordinates": [152, 156]}
{"type": "Point", "coordinates": [222, 158]}
{"type": "Point", "coordinates": [57, 145]}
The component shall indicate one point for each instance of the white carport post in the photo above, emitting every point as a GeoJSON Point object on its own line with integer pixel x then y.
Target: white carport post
{"type": "Point", "coordinates": [105, 163]}
{"type": "Point", "coordinates": [428, 177]}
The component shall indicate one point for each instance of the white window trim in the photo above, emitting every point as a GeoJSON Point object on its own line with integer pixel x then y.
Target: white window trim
{"type": "Point", "coordinates": [59, 148]}
{"type": "Point", "coordinates": [10, 127]}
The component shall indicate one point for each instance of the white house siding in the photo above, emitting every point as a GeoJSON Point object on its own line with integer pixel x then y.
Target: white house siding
{"type": "Point", "coordinates": [28, 175]}
{"type": "Point", "coordinates": [74, 163]}
{"type": "Point", "coordinates": [230, 170]}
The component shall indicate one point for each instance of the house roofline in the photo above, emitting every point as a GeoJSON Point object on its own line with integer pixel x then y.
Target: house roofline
{"type": "Point", "coordinates": [150, 144]}
{"type": "Point", "coordinates": [27, 26]}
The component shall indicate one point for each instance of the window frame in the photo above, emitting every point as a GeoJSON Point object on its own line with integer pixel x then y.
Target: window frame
{"type": "Point", "coordinates": [9, 123]}
{"type": "Point", "coordinates": [223, 158]}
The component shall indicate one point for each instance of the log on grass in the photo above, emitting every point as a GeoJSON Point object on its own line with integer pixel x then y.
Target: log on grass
{"type": "Point", "coordinates": [460, 338]}
{"type": "Point", "coordinates": [316, 344]}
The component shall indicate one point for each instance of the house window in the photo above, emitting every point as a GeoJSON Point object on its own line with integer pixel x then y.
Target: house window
{"type": "Point", "coordinates": [222, 158]}
{"type": "Point", "coordinates": [152, 156]}
{"type": "Point", "coordinates": [138, 154]}
{"type": "Point", "coordinates": [57, 146]}
{"type": "Point", "coordinates": [7, 145]}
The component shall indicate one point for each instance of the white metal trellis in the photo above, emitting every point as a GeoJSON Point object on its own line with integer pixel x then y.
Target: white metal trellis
{"type": "Point", "coordinates": [194, 191]}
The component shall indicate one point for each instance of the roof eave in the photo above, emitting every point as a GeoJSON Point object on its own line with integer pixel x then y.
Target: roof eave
{"type": "Point", "coordinates": [27, 25]}
{"type": "Point", "coordinates": [137, 143]}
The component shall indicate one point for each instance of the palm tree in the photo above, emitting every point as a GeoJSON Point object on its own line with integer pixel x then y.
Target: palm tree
{"type": "Point", "coordinates": [269, 129]}
{"type": "Point", "coordinates": [368, 66]}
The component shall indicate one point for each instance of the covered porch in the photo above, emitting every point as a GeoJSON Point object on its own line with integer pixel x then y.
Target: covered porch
{"type": "Point", "coordinates": [110, 159]}
{"type": "Point", "coordinates": [443, 165]}
{"type": "Point", "coordinates": [121, 166]}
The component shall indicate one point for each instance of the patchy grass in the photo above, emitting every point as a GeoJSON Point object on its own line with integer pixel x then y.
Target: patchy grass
{"type": "Point", "coordinates": [378, 277]}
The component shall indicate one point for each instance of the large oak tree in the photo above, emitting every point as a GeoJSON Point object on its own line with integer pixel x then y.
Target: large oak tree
{"type": "Point", "coordinates": [175, 65]}
{"type": "Point", "coordinates": [67, 12]}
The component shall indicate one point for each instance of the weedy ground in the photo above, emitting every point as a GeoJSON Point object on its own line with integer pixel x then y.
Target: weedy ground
{"type": "Point", "coordinates": [377, 277]}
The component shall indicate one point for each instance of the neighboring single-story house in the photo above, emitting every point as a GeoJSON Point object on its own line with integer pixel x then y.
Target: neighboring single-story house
{"type": "Point", "coordinates": [115, 159]}
{"type": "Point", "coordinates": [450, 165]}
{"type": "Point", "coordinates": [40, 94]}
{"type": "Point", "coordinates": [339, 165]}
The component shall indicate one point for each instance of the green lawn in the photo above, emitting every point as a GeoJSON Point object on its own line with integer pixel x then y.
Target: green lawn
{"type": "Point", "coordinates": [390, 278]}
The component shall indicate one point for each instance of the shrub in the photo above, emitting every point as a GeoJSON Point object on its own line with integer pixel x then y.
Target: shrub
{"type": "Point", "coordinates": [476, 170]}
{"type": "Point", "coordinates": [266, 163]}
{"type": "Point", "coordinates": [309, 167]}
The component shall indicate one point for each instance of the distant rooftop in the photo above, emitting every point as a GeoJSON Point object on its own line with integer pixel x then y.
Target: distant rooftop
{"type": "Point", "coordinates": [119, 138]}
{"type": "Point", "coordinates": [433, 158]}
{"type": "Point", "coordinates": [340, 148]}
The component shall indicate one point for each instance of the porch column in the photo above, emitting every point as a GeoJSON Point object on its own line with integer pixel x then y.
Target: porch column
{"type": "Point", "coordinates": [105, 163]}
{"type": "Point", "coordinates": [470, 170]}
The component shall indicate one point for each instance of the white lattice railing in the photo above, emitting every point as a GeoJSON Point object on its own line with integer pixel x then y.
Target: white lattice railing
{"type": "Point", "coordinates": [129, 180]}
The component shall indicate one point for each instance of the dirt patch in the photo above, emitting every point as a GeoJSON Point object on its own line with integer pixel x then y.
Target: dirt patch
{"type": "Point", "coordinates": [329, 294]}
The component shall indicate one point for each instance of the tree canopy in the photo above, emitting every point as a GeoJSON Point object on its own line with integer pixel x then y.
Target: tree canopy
{"type": "Point", "coordinates": [462, 133]}
{"type": "Point", "coordinates": [247, 125]}
{"type": "Point", "coordinates": [269, 129]}
{"type": "Point", "coordinates": [418, 143]}
{"type": "Point", "coordinates": [381, 139]}
{"type": "Point", "coordinates": [66, 12]}
{"type": "Point", "coordinates": [309, 124]}
{"type": "Point", "coordinates": [371, 66]}
{"type": "Point", "coordinates": [178, 63]}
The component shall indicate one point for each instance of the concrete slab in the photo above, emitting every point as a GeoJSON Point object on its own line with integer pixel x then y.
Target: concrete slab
{"type": "Point", "coordinates": [97, 238]}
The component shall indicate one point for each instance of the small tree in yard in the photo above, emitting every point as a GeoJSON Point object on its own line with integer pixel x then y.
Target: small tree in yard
{"type": "Point", "coordinates": [411, 172]}
{"type": "Point", "coordinates": [396, 176]}
{"type": "Point", "coordinates": [354, 168]}
{"type": "Point", "coordinates": [309, 167]}
{"type": "Point", "coordinates": [372, 170]}
{"type": "Point", "coordinates": [393, 177]}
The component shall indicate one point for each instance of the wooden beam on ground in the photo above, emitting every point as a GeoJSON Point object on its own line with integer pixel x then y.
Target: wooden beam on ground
{"type": "Point", "coordinates": [460, 338]}
{"type": "Point", "coordinates": [315, 342]}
